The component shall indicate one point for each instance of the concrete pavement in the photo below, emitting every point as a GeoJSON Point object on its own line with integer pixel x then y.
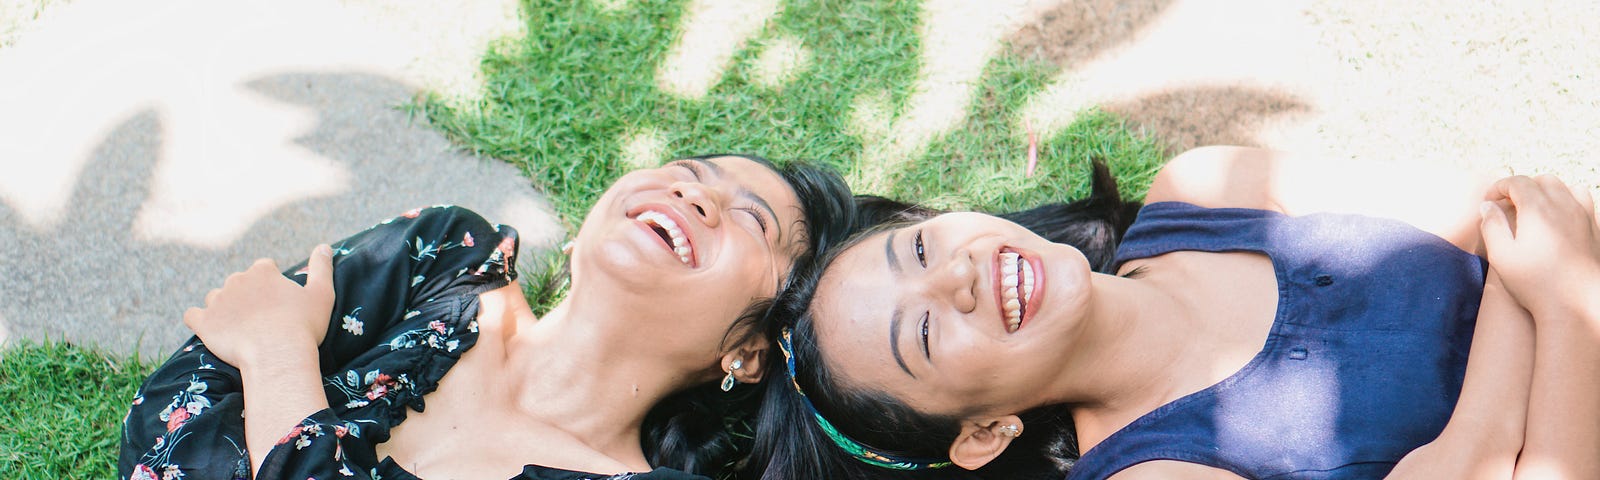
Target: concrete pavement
{"type": "Point", "coordinates": [152, 147]}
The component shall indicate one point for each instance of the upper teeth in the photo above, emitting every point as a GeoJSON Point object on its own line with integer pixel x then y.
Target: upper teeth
{"type": "Point", "coordinates": [680, 243]}
{"type": "Point", "coordinates": [1014, 273]}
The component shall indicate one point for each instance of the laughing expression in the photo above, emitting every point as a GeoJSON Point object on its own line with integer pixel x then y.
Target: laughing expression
{"type": "Point", "coordinates": [692, 242]}
{"type": "Point", "coordinates": [965, 310]}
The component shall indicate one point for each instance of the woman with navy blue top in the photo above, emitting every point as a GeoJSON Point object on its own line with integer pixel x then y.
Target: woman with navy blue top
{"type": "Point", "coordinates": [1253, 328]}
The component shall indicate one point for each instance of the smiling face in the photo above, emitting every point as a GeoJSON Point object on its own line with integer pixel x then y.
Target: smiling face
{"type": "Point", "coordinates": [686, 247]}
{"type": "Point", "coordinates": [964, 314]}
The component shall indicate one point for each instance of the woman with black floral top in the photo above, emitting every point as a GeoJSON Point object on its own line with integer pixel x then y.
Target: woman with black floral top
{"type": "Point", "coordinates": [342, 372]}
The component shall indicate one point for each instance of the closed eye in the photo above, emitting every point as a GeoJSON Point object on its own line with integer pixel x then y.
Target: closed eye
{"type": "Point", "coordinates": [761, 220]}
{"type": "Point", "coordinates": [694, 168]}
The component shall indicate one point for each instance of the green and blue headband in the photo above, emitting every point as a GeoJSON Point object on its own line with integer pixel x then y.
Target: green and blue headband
{"type": "Point", "coordinates": [855, 449]}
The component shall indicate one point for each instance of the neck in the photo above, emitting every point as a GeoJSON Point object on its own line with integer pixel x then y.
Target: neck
{"type": "Point", "coordinates": [1129, 360]}
{"type": "Point", "coordinates": [572, 370]}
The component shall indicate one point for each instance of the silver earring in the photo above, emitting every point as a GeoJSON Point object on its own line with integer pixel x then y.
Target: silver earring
{"type": "Point", "coordinates": [566, 248]}
{"type": "Point", "coordinates": [728, 381]}
{"type": "Point", "coordinates": [1011, 430]}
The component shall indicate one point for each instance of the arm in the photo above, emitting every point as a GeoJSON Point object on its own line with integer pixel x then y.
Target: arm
{"type": "Point", "coordinates": [269, 327]}
{"type": "Point", "coordinates": [379, 274]}
{"type": "Point", "coordinates": [1446, 204]}
{"type": "Point", "coordinates": [1545, 241]}
{"type": "Point", "coordinates": [1485, 432]}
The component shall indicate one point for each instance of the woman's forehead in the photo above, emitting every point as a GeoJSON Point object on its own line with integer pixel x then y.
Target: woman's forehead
{"type": "Point", "coordinates": [856, 258]}
{"type": "Point", "coordinates": [855, 296]}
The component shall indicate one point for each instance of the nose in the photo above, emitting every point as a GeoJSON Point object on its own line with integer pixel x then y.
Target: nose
{"type": "Point", "coordinates": [702, 201]}
{"type": "Point", "coordinates": [956, 281]}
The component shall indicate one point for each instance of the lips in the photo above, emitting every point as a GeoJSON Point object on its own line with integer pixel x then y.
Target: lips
{"type": "Point", "coordinates": [1016, 286]}
{"type": "Point", "coordinates": [665, 224]}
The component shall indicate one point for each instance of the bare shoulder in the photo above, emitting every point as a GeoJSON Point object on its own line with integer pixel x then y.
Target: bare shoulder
{"type": "Point", "coordinates": [1170, 469]}
{"type": "Point", "coordinates": [1217, 177]}
{"type": "Point", "coordinates": [1439, 200]}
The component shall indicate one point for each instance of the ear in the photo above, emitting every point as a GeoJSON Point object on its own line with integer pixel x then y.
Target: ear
{"type": "Point", "coordinates": [752, 355]}
{"type": "Point", "coordinates": [982, 440]}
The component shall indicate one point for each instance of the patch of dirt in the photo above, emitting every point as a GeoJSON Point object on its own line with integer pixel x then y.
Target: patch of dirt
{"type": "Point", "coordinates": [1077, 31]}
{"type": "Point", "coordinates": [1209, 115]}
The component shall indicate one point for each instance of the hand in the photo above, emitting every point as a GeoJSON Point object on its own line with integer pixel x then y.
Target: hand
{"type": "Point", "coordinates": [258, 314]}
{"type": "Point", "coordinates": [1542, 238]}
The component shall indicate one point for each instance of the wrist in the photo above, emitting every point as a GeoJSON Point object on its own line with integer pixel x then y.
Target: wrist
{"type": "Point", "coordinates": [288, 352]}
{"type": "Point", "coordinates": [1485, 438]}
{"type": "Point", "coordinates": [1580, 313]}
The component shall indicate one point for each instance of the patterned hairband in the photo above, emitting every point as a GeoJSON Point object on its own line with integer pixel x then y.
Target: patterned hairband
{"type": "Point", "coordinates": [854, 448]}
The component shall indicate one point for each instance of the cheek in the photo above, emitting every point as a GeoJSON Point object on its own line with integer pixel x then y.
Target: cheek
{"type": "Point", "coordinates": [981, 368]}
{"type": "Point", "coordinates": [749, 265]}
{"type": "Point", "coordinates": [627, 184]}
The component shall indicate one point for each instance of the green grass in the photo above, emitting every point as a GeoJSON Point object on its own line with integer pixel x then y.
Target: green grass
{"type": "Point", "coordinates": [62, 410]}
{"type": "Point", "coordinates": [558, 102]}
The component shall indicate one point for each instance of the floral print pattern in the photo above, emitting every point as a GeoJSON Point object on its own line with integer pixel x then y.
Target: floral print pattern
{"type": "Point", "coordinates": [398, 325]}
{"type": "Point", "coordinates": [391, 342]}
{"type": "Point", "coordinates": [353, 324]}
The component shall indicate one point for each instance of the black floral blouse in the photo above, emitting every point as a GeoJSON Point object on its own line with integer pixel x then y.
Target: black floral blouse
{"type": "Point", "coordinates": [405, 310]}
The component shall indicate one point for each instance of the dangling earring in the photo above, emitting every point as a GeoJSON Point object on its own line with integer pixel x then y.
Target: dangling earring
{"type": "Point", "coordinates": [1012, 431]}
{"type": "Point", "coordinates": [728, 381]}
{"type": "Point", "coordinates": [566, 248]}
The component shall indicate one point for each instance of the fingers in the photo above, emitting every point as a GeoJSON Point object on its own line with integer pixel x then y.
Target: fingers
{"type": "Point", "coordinates": [1520, 190]}
{"type": "Point", "coordinates": [1497, 230]}
{"type": "Point", "coordinates": [1544, 192]}
{"type": "Point", "coordinates": [1501, 189]}
{"type": "Point", "coordinates": [319, 269]}
{"type": "Point", "coordinates": [1583, 196]}
{"type": "Point", "coordinates": [192, 316]}
{"type": "Point", "coordinates": [264, 264]}
{"type": "Point", "coordinates": [211, 296]}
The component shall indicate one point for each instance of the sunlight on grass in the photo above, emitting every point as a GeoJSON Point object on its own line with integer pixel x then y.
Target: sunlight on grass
{"type": "Point", "coordinates": [781, 60]}
{"type": "Point", "coordinates": [712, 33]}
{"type": "Point", "coordinates": [644, 148]}
{"type": "Point", "coordinates": [959, 39]}
{"type": "Point", "coordinates": [578, 102]}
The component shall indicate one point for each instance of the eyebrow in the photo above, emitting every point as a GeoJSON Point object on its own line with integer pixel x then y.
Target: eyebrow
{"type": "Point", "coordinates": [888, 253]}
{"type": "Point", "coordinates": [898, 314]}
{"type": "Point", "coordinates": [894, 340]}
{"type": "Point", "coordinates": [747, 194]}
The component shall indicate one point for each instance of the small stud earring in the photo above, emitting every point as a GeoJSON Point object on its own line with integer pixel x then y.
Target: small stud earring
{"type": "Point", "coordinates": [1012, 431]}
{"type": "Point", "coordinates": [566, 248]}
{"type": "Point", "coordinates": [728, 381]}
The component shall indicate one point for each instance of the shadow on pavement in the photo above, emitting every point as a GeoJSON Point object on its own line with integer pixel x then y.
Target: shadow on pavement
{"type": "Point", "coordinates": [92, 280]}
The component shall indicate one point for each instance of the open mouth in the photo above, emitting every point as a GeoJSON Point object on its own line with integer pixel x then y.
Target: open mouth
{"type": "Point", "coordinates": [669, 232]}
{"type": "Point", "coordinates": [1016, 288]}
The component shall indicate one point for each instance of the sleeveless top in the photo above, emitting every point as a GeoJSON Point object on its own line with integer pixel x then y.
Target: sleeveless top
{"type": "Point", "coordinates": [1363, 364]}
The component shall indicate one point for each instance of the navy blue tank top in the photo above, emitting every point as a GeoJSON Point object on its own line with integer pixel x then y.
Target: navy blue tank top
{"type": "Point", "coordinates": [1363, 364]}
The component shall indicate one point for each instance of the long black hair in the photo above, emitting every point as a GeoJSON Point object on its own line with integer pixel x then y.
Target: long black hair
{"type": "Point", "coordinates": [702, 429]}
{"type": "Point", "coordinates": [791, 444]}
